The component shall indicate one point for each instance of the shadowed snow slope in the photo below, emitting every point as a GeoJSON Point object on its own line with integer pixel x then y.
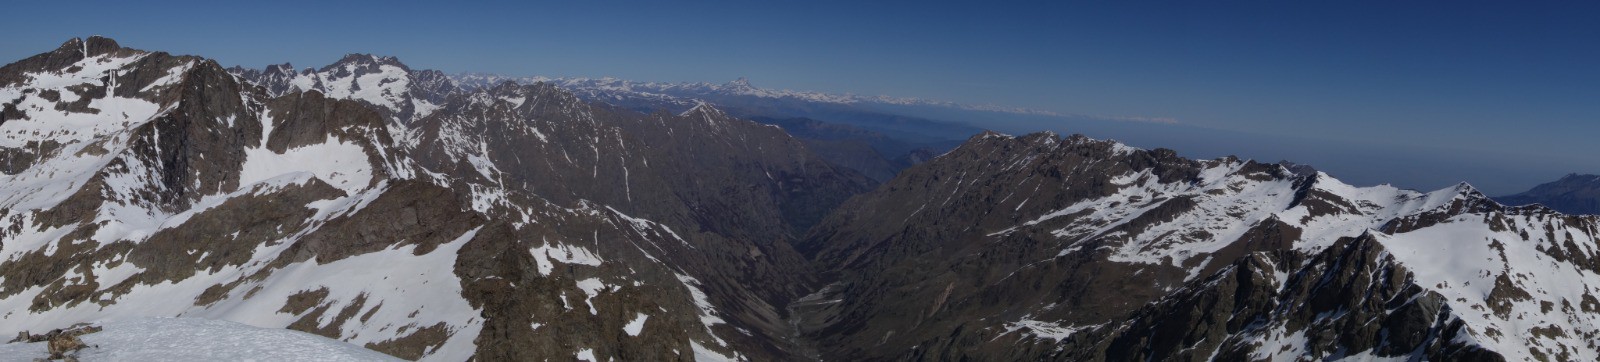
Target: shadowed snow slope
{"type": "Point", "coordinates": [195, 339]}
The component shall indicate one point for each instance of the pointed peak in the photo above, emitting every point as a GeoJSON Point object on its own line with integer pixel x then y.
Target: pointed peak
{"type": "Point", "coordinates": [742, 82]}
{"type": "Point", "coordinates": [365, 59]}
{"type": "Point", "coordinates": [1301, 169]}
{"type": "Point", "coordinates": [75, 43]}
{"type": "Point", "coordinates": [987, 134]}
{"type": "Point", "coordinates": [1464, 190]}
{"type": "Point", "coordinates": [1461, 190]}
{"type": "Point", "coordinates": [355, 58]}
{"type": "Point", "coordinates": [1461, 197]}
{"type": "Point", "coordinates": [704, 109]}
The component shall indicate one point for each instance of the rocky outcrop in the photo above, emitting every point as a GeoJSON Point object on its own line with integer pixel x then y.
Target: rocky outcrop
{"type": "Point", "coordinates": [60, 344]}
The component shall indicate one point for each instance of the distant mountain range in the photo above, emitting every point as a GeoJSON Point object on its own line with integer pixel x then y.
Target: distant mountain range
{"type": "Point", "coordinates": [1573, 194]}
{"type": "Point", "coordinates": [685, 92]}
{"type": "Point", "coordinates": [873, 142]}
{"type": "Point", "coordinates": [892, 133]}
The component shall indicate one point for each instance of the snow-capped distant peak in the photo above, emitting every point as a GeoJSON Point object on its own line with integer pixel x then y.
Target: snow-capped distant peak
{"type": "Point", "coordinates": [382, 81]}
{"type": "Point", "coordinates": [685, 92]}
{"type": "Point", "coordinates": [362, 59]}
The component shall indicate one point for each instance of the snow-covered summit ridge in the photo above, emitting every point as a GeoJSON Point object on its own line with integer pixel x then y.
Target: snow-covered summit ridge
{"type": "Point", "coordinates": [382, 81]}
{"type": "Point", "coordinates": [1505, 270]}
{"type": "Point", "coordinates": [332, 79]}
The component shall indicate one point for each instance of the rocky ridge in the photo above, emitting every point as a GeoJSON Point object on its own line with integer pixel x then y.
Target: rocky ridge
{"type": "Point", "coordinates": [368, 207]}
{"type": "Point", "coordinates": [1043, 247]}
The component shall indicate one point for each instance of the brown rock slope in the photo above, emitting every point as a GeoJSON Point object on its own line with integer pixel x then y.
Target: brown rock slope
{"type": "Point", "coordinates": [510, 224]}
{"type": "Point", "coordinates": [1041, 247]}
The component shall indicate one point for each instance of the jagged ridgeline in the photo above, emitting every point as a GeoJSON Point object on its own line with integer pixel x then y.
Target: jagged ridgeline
{"type": "Point", "coordinates": [390, 208]}
{"type": "Point", "coordinates": [382, 206]}
{"type": "Point", "coordinates": [1043, 247]}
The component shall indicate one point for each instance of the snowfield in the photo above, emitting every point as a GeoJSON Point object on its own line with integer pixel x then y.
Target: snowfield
{"type": "Point", "coordinates": [196, 339]}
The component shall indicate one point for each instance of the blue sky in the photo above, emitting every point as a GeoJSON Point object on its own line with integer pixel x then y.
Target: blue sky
{"type": "Point", "coordinates": [1503, 86]}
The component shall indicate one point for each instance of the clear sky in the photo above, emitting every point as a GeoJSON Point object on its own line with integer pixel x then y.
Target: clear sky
{"type": "Point", "coordinates": [1499, 82]}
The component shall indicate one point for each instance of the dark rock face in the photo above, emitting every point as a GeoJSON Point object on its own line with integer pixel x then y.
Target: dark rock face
{"type": "Point", "coordinates": [1572, 194]}
{"type": "Point", "coordinates": [1350, 297]}
{"type": "Point", "coordinates": [737, 192]}
{"type": "Point", "coordinates": [432, 86]}
{"type": "Point", "coordinates": [277, 79]}
{"type": "Point", "coordinates": [407, 213]}
{"type": "Point", "coordinates": [913, 261]}
{"type": "Point", "coordinates": [211, 121]}
{"type": "Point", "coordinates": [1043, 248]}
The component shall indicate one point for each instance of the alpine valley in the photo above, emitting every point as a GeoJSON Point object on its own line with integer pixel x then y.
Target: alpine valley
{"type": "Point", "coordinates": [467, 217]}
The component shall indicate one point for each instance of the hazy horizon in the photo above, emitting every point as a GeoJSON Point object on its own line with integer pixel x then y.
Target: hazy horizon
{"type": "Point", "coordinates": [1498, 95]}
